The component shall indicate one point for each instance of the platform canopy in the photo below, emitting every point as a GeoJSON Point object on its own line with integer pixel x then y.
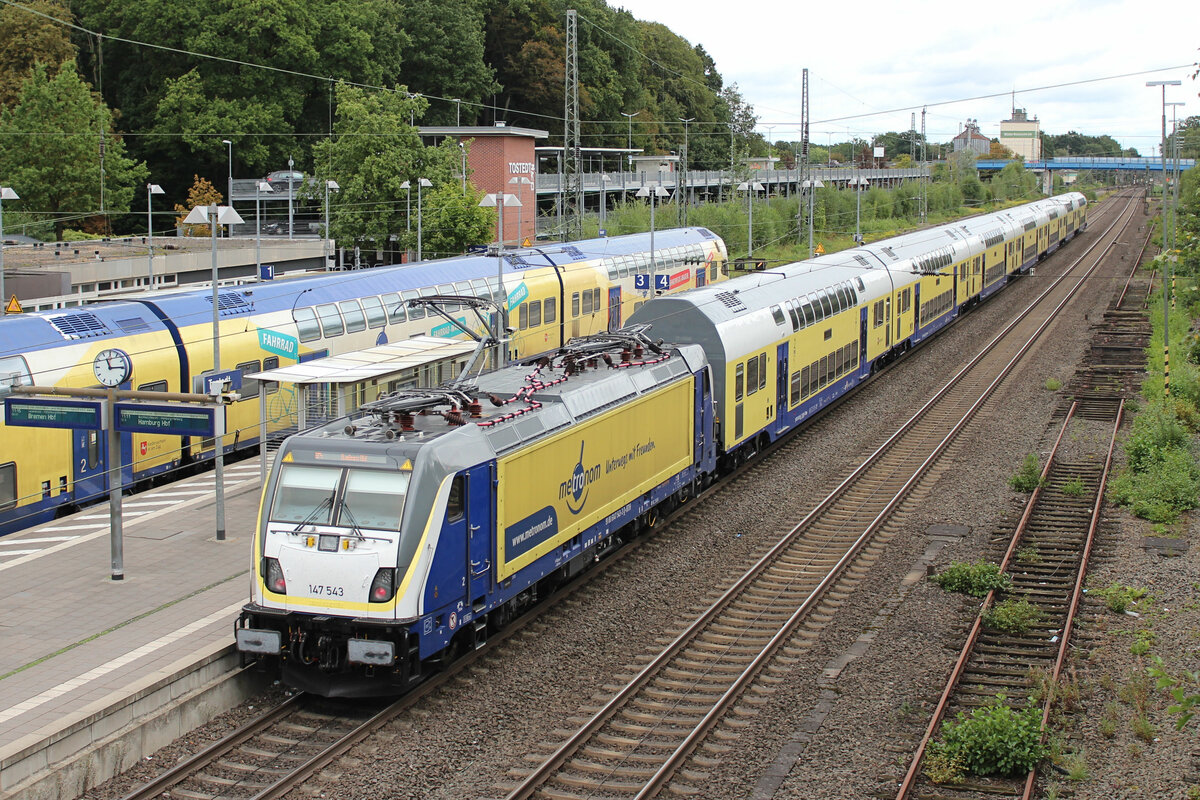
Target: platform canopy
{"type": "Point", "coordinates": [372, 363]}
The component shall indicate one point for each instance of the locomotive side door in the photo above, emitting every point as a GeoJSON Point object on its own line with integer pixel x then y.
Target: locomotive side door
{"type": "Point", "coordinates": [480, 524]}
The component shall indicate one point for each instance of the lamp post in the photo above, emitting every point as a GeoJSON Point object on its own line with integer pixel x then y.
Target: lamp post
{"type": "Point", "coordinates": [770, 163]}
{"type": "Point", "coordinates": [499, 200]}
{"type": "Point", "coordinates": [260, 186]}
{"type": "Point", "coordinates": [1166, 306]}
{"type": "Point", "coordinates": [290, 165]}
{"type": "Point", "coordinates": [6, 193]}
{"type": "Point", "coordinates": [407, 187]}
{"type": "Point", "coordinates": [652, 193]}
{"type": "Point", "coordinates": [858, 183]}
{"type": "Point", "coordinates": [811, 187]}
{"type": "Point", "coordinates": [750, 189]}
{"type": "Point", "coordinates": [629, 141]}
{"type": "Point", "coordinates": [604, 179]}
{"type": "Point", "coordinates": [229, 198]}
{"type": "Point", "coordinates": [462, 149]}
{"type": "Point", "coordinates": [151, 190]}
{"type": "Point", "coordinates": [518, 181]}
{"type": "Point", "coordinates": [457, 112]}
{"type": "Point", "coordinates": [330, 186]}
{"type": "Point", "coordinates": [421, 183]}
{"type": "Point", "coordinates": [215, 215]}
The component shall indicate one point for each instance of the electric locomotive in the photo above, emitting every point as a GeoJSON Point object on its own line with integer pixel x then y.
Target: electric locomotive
{"type": "Point", "coordinates": [388, 540]}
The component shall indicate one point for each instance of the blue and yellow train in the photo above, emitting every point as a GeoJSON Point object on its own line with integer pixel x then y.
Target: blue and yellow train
{"type": "Point", "coordinates": [553, 293]}
{"type": "Point", "coordinates": [389, 540]}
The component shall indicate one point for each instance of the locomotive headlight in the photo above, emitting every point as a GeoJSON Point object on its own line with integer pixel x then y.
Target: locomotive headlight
{"type": "Point", "coordinates": [384, 585]}
{"type": "Point", "coordinates": [272, 573]}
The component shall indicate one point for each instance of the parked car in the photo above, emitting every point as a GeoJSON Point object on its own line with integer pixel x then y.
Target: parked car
{"type": "Point", "coordinates": [281, 177]}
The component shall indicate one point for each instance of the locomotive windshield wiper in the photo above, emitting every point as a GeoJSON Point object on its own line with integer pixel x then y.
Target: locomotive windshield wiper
{"type": "Point", "coordinates": [353, 522]}
{"type": "Point", "coordinates": [312, 515]}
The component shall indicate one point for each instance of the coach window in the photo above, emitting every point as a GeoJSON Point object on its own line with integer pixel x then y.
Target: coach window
{"type": "Point", "coordinates": [777, 313]}
{"type": "Point", "coordinates": [270, 363]}
{"type": "Point", "coordinates": [810, 318]}
{"type": "Point", "coordinates": [352, 311]}
{"type": "Point", "coordinates": [331, 320]}
{"type": "Point", "coordinates": [752, 376]}
{"type": "Point", "coordinates": [249, 385]}
{"type": "Point", "coordinates": [827, 305]}
{"type": "Point", "coordinates": [455, 503]}
{"type": "Point", "coordinates": [739, 381]}
{"type": "Point", "coordinates": [762, 371]}
{"type": "Point", "coordinates": [415, 312]}
{"type": "Point", "coordinates": [535, 314]}
{"type": "Point", "coordinates": [306, 324]}
{"type": "Point", "coordinates": [8, 485]}
{"type": "Point", "coordinates": [14, 372]}
{"type": "Point", "coordinates": [587, 302]}
{"type": "Point", "coordinates": [376, 316]}
{"type": "Point", "coordinates": [550, 310]}
{"type": "Point", "coordinates": [393, 307]}
{"type": "Point", "coordinates": [575, 305]}
{"type": "Point", "coordinates": [523, 316]}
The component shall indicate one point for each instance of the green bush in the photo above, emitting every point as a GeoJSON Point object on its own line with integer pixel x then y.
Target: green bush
{"type": "Point", "coordinates": [994, 739]}
{"type": "Point", "coordinates": [1156, 431]}
{"type": "Point", "coordinates": [1053, 384]}
{"type": "Point", "coordinates": [1073, 487]}
{"type": "Point", "coordinates": [1012, 616]}
{"type": "Point", "coordinates": [1029, 477]}
{"type": "Point", "coordinates": [976, 579]}
{"type": "Point", "coordinates": [1167, 486]}
{"type": "Point", "coordinates": [1118, 597]}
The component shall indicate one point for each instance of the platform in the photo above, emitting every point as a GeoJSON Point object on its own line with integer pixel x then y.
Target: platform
{"type": "Point", "coordinates": [74, 643]}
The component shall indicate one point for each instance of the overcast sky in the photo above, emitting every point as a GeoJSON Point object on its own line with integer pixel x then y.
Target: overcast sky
{"type": "Point", "coordinates": [866, 57]}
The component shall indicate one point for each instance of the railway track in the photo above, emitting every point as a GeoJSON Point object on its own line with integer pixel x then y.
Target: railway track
{"type": "Point", "coordinates": [648, 734]}
{"type": "Point", "coordinates": [1047, 558]}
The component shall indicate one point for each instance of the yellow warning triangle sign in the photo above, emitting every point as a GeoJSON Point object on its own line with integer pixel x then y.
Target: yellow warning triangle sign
{"type": "Point", "coordinates": [526, 242]}
{"type": "Point", "coordinates": [14, 306]}
{"type": "Point", "coordinates": [820, 250]}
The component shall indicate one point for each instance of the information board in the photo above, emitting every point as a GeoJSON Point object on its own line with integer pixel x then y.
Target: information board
{"type": "Point", "coordinates": [171, 420]}
{"type": "Point", "coordinates": [35, 412]}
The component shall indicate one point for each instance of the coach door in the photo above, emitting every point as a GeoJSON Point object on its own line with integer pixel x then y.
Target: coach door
{"type": "Point", "coordinates": [614, 308]}
{"type": "Point", "coordinates": [781, 385]}
{"type": "Point", "coordinates": [90, 478]}
{"type": "Point", "coordinates": [480, 524]}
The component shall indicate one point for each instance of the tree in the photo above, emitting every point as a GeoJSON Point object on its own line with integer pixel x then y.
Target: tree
{"type": "Point", "coordinates": [50, 145]}
{"type": "Point", "coordinates": [202, 193]}
{"type": "Point", "coordinates": [454, 220]}
{"type": "Point", "coordinates": [443, 54]}
{"type": "Point", "coordinates": [28, 38]}
{"type": "Point", "coordinates": [258, 93]}
{"type": "Point", "coordinates": [999, 151]}
{"type": "Point", "coordinates": [373, 151]}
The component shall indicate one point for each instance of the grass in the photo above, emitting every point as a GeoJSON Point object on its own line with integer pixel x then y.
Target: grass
{"type": "Point", "coordinates": [1053, 384]}
{"type": "Point", "coordinates": [1028, 477]}
{"type": "Point", "coordinates": [1073, 487]}
{"type": "Point", "coordinates": [1013, 616]}
{"type": "Point", "coordinates": [1142, 729]}
{"type": "Point", "coordinates": [974, 578]}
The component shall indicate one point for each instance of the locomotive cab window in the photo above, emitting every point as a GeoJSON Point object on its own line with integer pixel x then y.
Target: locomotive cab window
{"type": "Point", "coordinates": [305, 494]}
{"type": "Point", "coordinates": [374, 499]}
{"type": "Point", "coordinates": [456, 503]}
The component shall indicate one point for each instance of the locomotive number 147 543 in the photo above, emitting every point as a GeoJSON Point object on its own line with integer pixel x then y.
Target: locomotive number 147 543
{"type": "Point", "coordinates": [317, 590]}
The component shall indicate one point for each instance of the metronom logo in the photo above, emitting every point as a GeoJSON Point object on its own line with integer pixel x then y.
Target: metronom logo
{"type": "Point", "coordinates": [574, 490]}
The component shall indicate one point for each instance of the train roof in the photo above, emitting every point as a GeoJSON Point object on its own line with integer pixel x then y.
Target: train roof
{"type": "Point", "coordinates": [331, 287]}
{"type": "Point", "coordinates": [534, 402]}
{"type": "Point", "coordinates": [37, 330]}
